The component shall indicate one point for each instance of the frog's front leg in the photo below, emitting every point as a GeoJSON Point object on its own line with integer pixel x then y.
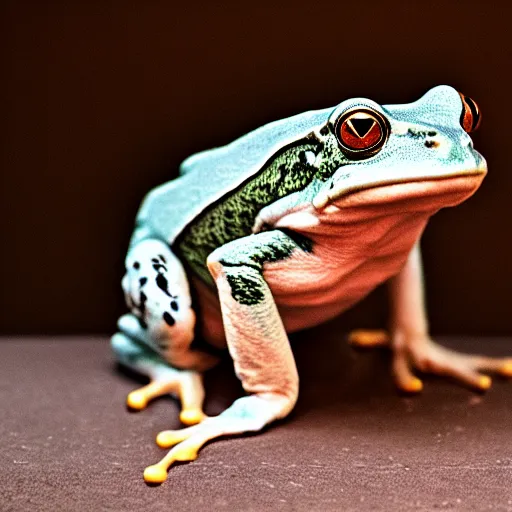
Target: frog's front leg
{"type": "Point", "coordinates": [155, 338]}
{"type": "Point", "coordinates": [257, 342]}
{"type": "Point", "coordinates": [412, 346]}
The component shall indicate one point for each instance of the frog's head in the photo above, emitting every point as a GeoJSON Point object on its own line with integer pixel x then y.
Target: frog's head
{"type": "Point", "coordinates": [423, 146]}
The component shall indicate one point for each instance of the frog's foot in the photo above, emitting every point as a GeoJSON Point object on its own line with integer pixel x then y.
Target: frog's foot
{"type": "Point", "coordinates": [247, 414]}
{"type": "Point", "coordinates": [186, 385]}
{"type": "Point", "coordinates": [429, 357]}
{"type": "Point", "coordinates": [164, 379]}
{"type": "Point", "coordinates": [362, 338]}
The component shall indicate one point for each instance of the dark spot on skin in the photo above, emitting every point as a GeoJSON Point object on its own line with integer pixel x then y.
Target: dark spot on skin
{"type": "Point", "coordinates": [282, 173]}
{"type": "Point", "coordinates": [431, 144]}
{"type": "Point", "coordinates": [159, 266]}
{"type": "Point", "coordinates": [305, 243]}
{"type": "Point", "coordinates": [154, 260]}
{"type": "Point", "coordinates": [420, 134]}
{"type": "Point", "coordinates": [162, 258]}
{"type": "Point", "coordinates": [136, 265]}
{"type": "Point", "coordinates": [143, 300]}
{"type": "Point", "coordinates": [163, 284]}
{"type": "Point", "coordinates": [247, 285]}
{"type": "Point", "coordinates": [169, 320]}
{"type": "Point", "coordinates": [142, 309]}
{"type": "Point", "coordinates": [416, 134]}
{"type": "Point", "coordinates": [174, 305]}
{"type": "Point", "coordinates": [273, 251]}
{"type": "Point", "coordinates": [246, 289]}
{"type": "Point", "coordinates": [143, 281]}
{"type": "Point", "coordinates": [324, 131]}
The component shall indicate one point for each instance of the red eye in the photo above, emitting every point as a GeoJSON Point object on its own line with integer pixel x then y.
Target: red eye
{"type": "Point", "coordinates": [470, 117]}
{"type": "Point", "coordinates": [361, 133]}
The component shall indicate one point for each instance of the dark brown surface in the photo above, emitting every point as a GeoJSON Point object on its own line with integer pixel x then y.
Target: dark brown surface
{"type": "Point", "coordinates": [104, 99]}
{"type": "Point", "coordinates": [352, 443]}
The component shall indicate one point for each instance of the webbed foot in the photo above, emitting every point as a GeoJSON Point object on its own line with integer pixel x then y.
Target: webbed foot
{"type": "Point", "coordinates": [247, 414]}
{"type": "Point", "coordinates": [186, 385]}
{"type": "Point", "coordinates": [427, 356]}
{"type": "Point", "coordinates": [423, 354]}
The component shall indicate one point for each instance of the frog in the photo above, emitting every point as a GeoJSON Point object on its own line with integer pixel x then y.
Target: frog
{"type": "Point", "coordinates": [283, 229]}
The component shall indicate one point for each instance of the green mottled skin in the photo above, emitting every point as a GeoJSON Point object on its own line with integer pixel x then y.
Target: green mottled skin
{"type": "Point", "coordinates": [234, 216]}
{"type": "Point", "coordinates": [243, 265]}
{"type": "Point", "coordinates": [332, 158]}
{"type": "Point", "coordinates": [246, 286]}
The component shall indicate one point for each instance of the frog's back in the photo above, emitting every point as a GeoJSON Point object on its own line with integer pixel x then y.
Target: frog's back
{"type": "Point", "coordinates": [210, 175]}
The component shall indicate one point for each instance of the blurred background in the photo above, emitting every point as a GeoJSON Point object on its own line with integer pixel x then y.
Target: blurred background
{"type": "Point", "coordinates": [103, 100]}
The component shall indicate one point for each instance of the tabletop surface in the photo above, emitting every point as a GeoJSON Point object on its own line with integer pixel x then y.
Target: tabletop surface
{"type": "Point", "coordinates": [352, 442]}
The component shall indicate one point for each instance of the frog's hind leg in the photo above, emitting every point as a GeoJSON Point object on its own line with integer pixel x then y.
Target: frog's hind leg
{"type": "Point", "coordinates": [423, 354]}
{"type": "Point", "coordinates": [186, 385]}
{"type": "Point", "coordinates": [374, 338]}
{"type": "Point", "coordinates": [413, 349]}
{"type": "Point", "coordinates": [155, 338]}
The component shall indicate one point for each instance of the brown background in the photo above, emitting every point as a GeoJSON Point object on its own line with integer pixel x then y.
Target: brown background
{"type": "Point", "coordinates": [104, 99]}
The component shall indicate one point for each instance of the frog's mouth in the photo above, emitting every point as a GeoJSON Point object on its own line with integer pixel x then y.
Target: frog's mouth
{"type": "Point", "coordinates": [428, 182]}
{"type": "Point", "coordinates": [428, 195]}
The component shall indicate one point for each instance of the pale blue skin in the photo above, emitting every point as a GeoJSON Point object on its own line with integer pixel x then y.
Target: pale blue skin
{"type": "Point", "coordinates": [148, 343]}
{"type": "Point", "coordinates": [170, 207]}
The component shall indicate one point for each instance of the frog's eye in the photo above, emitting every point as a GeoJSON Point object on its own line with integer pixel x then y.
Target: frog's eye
{"type": "Point", "coordinates": [361, 132]}
{"type": "Point", "coordinates": [470, 117]}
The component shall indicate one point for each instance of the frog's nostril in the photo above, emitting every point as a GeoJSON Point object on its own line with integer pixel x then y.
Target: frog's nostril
{"type": "Point", "coordinates": [470, 117]}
